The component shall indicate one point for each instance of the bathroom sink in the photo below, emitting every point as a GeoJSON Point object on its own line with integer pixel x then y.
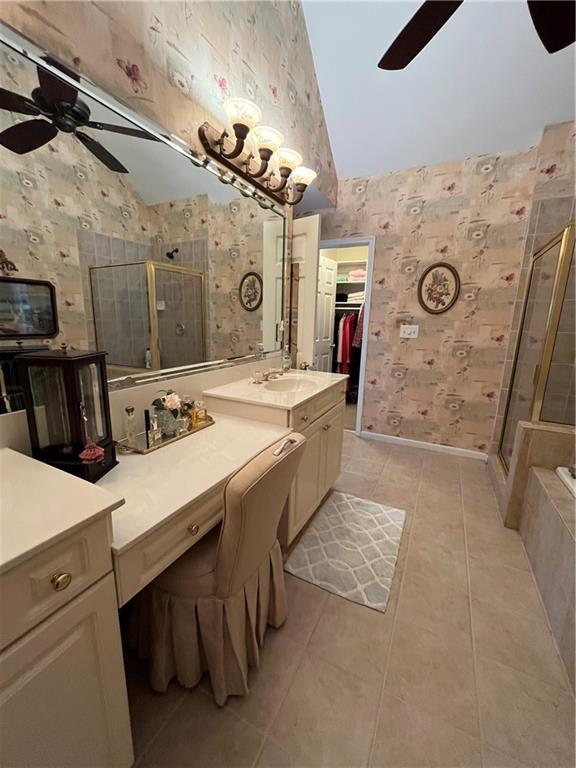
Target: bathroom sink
{"type": "Point", "coordinates": [291, 384]}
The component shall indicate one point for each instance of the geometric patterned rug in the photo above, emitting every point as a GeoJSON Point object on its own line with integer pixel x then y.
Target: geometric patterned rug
{"type": "Point", "coordinates": [350, 548]}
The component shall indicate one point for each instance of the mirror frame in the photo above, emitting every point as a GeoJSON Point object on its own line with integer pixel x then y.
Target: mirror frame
{"type": "Point", "coordinates": [20, 45]}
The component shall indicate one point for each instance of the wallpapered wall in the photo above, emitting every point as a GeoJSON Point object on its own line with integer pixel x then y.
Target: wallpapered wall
{"type": "Point", "coordinates": [444, 386]}
{"type": "Point", "coordinates": [49, 195]}
{"type": "Point", "coordinates": [176, 62]}
{"type": "Point", "coordinates": [552, 208]}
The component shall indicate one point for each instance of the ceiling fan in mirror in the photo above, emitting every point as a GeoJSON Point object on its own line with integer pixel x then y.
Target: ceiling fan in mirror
{"type": "Point", "coordinates": [554, 21]}
{"type": "Point", "coordinates": [56, 108]}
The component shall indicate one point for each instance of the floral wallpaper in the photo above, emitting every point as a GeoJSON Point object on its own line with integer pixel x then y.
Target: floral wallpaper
{"type": "Point", "coordinates": [552, 208]}
{"type": "Point", "coordinates": [176, 62]}
{"type": "Point", "coordinates": [50, 195]}
{"type": "Point", "coordinates": [442, 387]}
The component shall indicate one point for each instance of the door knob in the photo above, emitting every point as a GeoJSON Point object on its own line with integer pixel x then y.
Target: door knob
{"type": "Point", "coordinates": [61, 581]}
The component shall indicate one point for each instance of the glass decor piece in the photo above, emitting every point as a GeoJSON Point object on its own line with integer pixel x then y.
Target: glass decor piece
{"type": "Point", "coordinates": [66, 399]}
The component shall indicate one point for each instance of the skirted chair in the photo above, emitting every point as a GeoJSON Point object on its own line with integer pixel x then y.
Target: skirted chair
{"type": "Point", "coordinates": [209, 610]}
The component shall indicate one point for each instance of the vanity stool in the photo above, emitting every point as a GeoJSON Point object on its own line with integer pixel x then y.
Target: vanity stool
{"type": "Point", "coordinates": [209, 610]}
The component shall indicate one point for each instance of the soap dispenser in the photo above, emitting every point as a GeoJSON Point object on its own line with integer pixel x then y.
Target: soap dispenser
{"type": "Point", "coordinates": [286, 359]}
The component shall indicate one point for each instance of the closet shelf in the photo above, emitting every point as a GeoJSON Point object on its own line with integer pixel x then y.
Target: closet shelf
{"type": "Point", "coordinates": [350, 282]}
{"type": "Point", "coordinates": [348, 305]}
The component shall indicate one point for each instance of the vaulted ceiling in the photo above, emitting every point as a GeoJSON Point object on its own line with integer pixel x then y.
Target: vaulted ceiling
{"type": "Point", "coordinates": [484, 84]}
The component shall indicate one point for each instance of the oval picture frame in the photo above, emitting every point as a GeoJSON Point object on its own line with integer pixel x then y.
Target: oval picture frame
{"type": "Point", "coordinates": [438, 288]}
{"type": "Point", "coordinates": [250, 291]}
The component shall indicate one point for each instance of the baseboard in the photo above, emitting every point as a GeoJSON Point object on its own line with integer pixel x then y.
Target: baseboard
{"type": "Point", "coordinates": [464, 452]}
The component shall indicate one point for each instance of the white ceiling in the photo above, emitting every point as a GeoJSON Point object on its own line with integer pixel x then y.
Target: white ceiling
{"type": "Point", "coordinates": [484, 84]}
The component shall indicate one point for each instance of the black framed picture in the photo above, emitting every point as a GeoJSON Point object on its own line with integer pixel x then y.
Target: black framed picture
{"type": "Point", "coordinates": [438, 288]}
{"type": "Point", "coordinates": [250, 291]}
{"type": "Point", "coordinates": [27, 309]}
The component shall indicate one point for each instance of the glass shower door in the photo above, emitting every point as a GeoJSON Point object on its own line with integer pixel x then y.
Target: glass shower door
{"type": "Point", "coordinates": [180, 316]}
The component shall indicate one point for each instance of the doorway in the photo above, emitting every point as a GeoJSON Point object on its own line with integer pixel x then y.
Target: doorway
{"type": "Point", "coordinates": [342, 311]}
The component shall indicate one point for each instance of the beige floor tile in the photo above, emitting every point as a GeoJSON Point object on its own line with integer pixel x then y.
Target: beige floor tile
{"type": "Point", "coordinates": [357, 485]}
{"type": "Point", "coordinates": [363, 448]}
{"type": "Point", "coordinates": [328, 717]}
{"type": "Point", "coordinates": [430, 560]}
{"type": "Point", "coordinates": [371, 469]}
{"type": "Point", "coordinates": [524, 717]}
{"type": "Point", "coordinates": [435, 672]}
{"type": "Point", "coordinates": [526, 644]}
{"type": "Point", "coordinates": [493, 758]}
{"type": "Point", "coordinates": [436, 503]}
{"type": "Point", "coordinates": [507, 589]}
{"type": "Point", "coordinates": [149, 711]}
{"type": "Point", "coordinates": [202, 735]}
{"type": "Point", "coordinates": [433, 604]}
{"type": "Point", "coordinates": [279, 659]}
{"type": "Point", "coordinates": [273, 756]}
{"type": "Point", "coordinates": [399, 491]}
{"type": "Point", "coordinates": [496, 543]}
{"type": "Point", "coordinates": [474, 473]}
{"type": "Point", "coordinates": [447, 532]}
{"type": "Point", "coordinates": [409, 737]}
{"type": "Point", "coordinates": [352, 637]}
{"type": "Point", "coordinates": [305, 603]}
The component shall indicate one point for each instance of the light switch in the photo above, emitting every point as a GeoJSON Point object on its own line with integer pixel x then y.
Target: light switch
{"type": "Point", "coordinates": [409, 331]}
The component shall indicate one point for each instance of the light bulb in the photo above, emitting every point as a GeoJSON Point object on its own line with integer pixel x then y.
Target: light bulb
{"type": "Point", "coordinates": [267, 138]}
{"type": "Point", "coordinates": [242, 112]}
{"type": "Point", "coordinates": [302, 175]}
{"type": "Point", "coordinates": [288, 158]}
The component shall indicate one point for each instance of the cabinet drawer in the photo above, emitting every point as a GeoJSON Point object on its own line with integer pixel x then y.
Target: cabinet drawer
{"type": "Point", "coordinates": [139, 565]}
{"type": "Point", "coordinates": [308, 412]}
{"type": "Point", "coordinates": [300, 417]}
{"type": "Point", "coordinates": [36, 588]}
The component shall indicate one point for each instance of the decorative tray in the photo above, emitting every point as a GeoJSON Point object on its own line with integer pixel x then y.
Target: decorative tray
{"type": "Point", "coordinates": [140, 446]}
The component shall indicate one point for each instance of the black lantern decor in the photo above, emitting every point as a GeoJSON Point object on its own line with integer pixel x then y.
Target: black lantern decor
{"type": "Point", "coordinates": [66, 398]}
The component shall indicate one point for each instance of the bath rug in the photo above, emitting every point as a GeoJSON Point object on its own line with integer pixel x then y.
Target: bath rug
{"type": "Point", "coordinates": [350, 548]}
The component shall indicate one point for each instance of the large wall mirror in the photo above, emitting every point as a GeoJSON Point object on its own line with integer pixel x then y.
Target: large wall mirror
{"type": "Point", "coordinates": [146, 248]}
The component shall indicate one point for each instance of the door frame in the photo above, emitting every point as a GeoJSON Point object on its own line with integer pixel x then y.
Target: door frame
{"type": "Point", "coordinates": [352, 242]}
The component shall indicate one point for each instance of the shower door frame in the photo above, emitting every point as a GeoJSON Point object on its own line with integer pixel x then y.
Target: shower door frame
{"type": "Point", "coordinates": [153, 332]}
{"type": "Point", "coordinates": [566, 240]}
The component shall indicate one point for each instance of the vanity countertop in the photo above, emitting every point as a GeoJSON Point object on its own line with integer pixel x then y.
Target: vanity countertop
{"type": "Point", "coordinates": [246, 391]}
{"type": "Point", "coordinates": [157, 485]}
{"type": "Point", "coordinates": [40, 505]}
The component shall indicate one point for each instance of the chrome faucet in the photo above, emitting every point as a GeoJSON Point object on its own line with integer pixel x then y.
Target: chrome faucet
{"type": "Point", "coordinates": [273, 373]}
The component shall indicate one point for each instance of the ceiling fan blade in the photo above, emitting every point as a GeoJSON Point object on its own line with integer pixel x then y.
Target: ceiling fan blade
{"type": "Point", "coordinates": [121, 129]}
{"type": "Point", "coordinates": [426, 22]}
{"type": "Point", "coordinates": [13, 102]}
{"type": "Point", "coordinates": [554, 21]}
{"type": "Point", "coordinates": [24, 137]}
{"type": "Point", "coordinates": [101, 153]}
{"type": "Point", "coordinates": [53, 89]}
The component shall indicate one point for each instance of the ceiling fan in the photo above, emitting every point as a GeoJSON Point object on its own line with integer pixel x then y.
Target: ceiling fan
{"type": "Point", "coordinates": [554, 21]}
{"type": "Point", "coordinates": [59, 109]}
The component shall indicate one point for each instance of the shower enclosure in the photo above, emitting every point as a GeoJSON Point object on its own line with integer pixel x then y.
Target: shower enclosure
{"type": "Point", "coordinates": [148, 314]}
{"type": "Point", "coordinates": [542, 383]}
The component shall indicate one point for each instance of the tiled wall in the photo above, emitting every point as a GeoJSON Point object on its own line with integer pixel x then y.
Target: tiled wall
{"type": "Point", "coordinates": [177, 62]}
{"type": "Point", "coordinates": [547, 528]}
{"type": "Point", "coordinates": [552, 209]}
{"type": "Point", "coordinates": [442, 387]}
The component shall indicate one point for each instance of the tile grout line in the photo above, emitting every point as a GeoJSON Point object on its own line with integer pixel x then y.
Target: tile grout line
{"type": "Point", "coordinates": [393, 630]}
{"type": "Point", "coordinates": [267, 730]}
{"type": "Point", "coordinates": [471, 619]}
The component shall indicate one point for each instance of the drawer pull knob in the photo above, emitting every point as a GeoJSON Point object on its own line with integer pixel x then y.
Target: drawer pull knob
{"type": "Point", "coordinates": [326, 427]}
{"type": "Point", "coordinates": [303, 418]}
{"type": "Point", "coordinates": [61, 581]}
{"type": "Point", "coordinates": [193, 529]}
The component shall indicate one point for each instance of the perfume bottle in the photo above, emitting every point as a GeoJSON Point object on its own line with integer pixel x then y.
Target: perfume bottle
{"type": "Point", "coordinates": [154, 433]}
{"type": "Point", "coordinates": [130, 430]}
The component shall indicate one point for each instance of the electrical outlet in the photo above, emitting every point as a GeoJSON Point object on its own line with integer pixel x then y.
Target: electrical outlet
{"type": "Point", "coordinates": [409, 331]}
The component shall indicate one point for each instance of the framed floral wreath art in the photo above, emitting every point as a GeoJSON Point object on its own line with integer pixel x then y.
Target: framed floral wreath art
{"type": "Point", "coordinates": [250, 291]}
{"type": "Point", "coordinates": [438, 288]}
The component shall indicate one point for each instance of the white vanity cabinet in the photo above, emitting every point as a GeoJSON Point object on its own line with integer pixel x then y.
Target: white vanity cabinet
{"type": "Point", "coordinates": [314, 407]}
{"type": "Point", "coordinates": [317, 473]}
{"type": "Point", "coordinates": [63, 699]}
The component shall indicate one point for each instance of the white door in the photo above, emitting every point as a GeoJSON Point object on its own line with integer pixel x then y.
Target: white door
{"type": "Point", "coordinates": [325, 307]}
{"type": "Point", "coordinates": [305, 253]}
{"type": "Point", "coordinates": [272, 279]}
